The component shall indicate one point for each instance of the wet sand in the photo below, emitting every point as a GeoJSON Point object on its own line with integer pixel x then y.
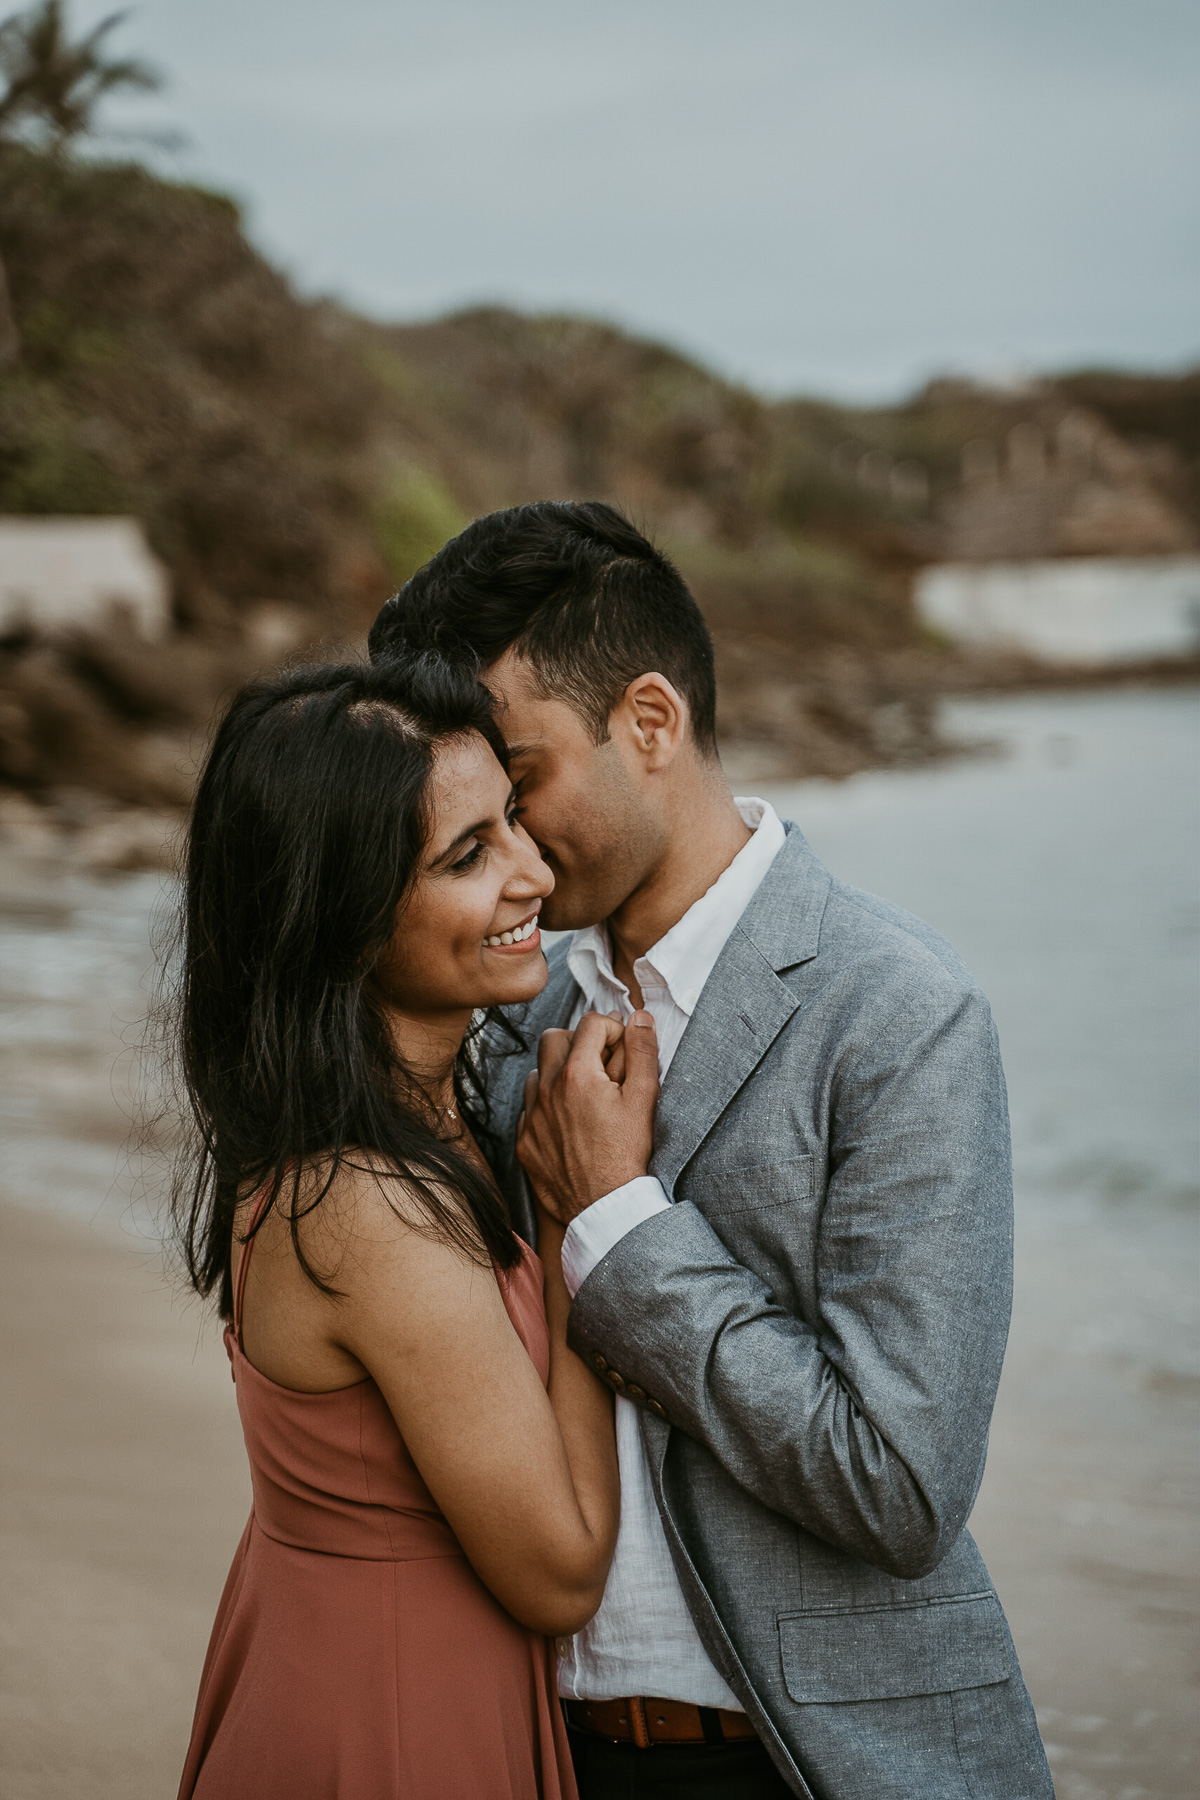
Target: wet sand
{"type": "Point", "coordinates": [123, 1490]}
{"type": "Point", "coordinates": [1087, 1520]}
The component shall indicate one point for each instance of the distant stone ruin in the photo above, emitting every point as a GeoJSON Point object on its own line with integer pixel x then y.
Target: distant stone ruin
{"type": "Point", "coordinates": [1088, 611]}
{"type": "Point", "coordinates": [1075, 490]}
{"type": "Point", "coordinates": [58, 575]}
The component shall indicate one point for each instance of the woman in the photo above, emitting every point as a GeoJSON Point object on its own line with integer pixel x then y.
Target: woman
{"type": "Point", "coordinates": [426, 1510]}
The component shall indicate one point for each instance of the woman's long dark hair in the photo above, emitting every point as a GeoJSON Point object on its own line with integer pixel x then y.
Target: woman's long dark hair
{"type": "Point", "coordinates": [306, 837]}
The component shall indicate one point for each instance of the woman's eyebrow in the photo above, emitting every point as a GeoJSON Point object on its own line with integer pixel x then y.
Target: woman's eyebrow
{"type": "Point", "coordinates": [474, 830]}
{"type": "Point", "coordinates": [471, 831]}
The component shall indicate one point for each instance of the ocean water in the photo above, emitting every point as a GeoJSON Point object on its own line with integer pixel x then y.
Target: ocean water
{"type": "Point", "coordinates": [77, 977]}
{"type": "Point", "coordinates": [1062, 861]}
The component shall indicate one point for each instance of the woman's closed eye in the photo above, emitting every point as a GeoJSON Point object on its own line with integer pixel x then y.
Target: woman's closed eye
{"type": "Point", "coordinates": [471, 856]}
{"type": "Point", "coordinates": [468, 860]}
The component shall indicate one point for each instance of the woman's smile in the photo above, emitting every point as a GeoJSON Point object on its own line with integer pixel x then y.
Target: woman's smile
{"type": "Point", "coordinates": [520, 938]}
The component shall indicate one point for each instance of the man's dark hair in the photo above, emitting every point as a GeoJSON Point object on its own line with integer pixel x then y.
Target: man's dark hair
{"type": "Point", "coordinates": [577, 592]}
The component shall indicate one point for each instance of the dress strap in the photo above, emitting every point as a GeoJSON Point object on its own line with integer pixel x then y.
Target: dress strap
{"type": "Point", "coordinates": [258, 1209]}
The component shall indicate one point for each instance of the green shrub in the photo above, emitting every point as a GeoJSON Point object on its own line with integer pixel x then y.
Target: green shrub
{"type": "Point", "coordinates": [413, 520]}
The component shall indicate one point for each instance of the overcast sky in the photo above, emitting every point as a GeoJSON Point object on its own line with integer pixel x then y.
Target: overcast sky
{"type": "Point", "coordinates": [840, 196]}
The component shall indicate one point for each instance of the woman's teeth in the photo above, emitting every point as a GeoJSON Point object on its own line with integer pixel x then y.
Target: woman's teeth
{"type": "Point", "coordinates": [516, 936]}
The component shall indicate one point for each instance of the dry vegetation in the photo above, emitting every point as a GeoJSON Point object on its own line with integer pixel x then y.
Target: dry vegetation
{"type": "Point", "coordinates": [292, 463]}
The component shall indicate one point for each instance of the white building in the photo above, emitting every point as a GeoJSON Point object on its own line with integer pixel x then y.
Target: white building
{"type": "Point", "coordinates": [1084, 610]}
{"type": "Point", "coordinates": [58, 573]}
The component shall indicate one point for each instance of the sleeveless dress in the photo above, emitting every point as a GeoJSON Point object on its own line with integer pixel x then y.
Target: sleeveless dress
{"type": "Point", "coordinates": [356, 1655]}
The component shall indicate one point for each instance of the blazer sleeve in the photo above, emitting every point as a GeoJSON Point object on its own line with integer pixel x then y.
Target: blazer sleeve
{"type": "Point", "coordinates": [866, 1423]}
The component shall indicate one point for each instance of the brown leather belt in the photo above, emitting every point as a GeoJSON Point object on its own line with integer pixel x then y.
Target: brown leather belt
{"type": "Point", "coordinates": [648, 1722]}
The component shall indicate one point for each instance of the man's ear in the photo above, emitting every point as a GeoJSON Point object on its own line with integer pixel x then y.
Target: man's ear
{"type": "Point", "coordinates": [654, 715]}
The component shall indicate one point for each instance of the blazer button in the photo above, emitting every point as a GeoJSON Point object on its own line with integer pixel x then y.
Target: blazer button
{"type": "Point", "coordinates": [599, 1363]}
{"type": "Point", "coordinates": [616, 1382]}
{"type": "Point", "coordinates": [634, 1392]}
{"type": "Point", "coordinates": [657, 1408]}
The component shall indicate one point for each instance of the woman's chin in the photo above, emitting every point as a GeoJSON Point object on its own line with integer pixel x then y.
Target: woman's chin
{"type": "Point", "coordinates": [518, 981]}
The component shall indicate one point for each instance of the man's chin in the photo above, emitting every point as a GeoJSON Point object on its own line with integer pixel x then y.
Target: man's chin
{"type": "Point", "coordinates": [567, 912]}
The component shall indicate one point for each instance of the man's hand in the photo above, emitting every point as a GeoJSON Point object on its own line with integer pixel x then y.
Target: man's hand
{"type": "Point", "coordinates": [588, 1124]}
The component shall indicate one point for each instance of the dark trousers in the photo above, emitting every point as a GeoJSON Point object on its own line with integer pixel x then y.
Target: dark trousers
{"type": "Point", "coordinates": [742, 1771]}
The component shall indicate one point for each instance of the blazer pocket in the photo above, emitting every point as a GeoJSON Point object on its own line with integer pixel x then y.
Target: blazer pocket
{"type": "Point", "coordinates": [894, 1652]}
{"type": "Point", "coordinates": [718, 1191]}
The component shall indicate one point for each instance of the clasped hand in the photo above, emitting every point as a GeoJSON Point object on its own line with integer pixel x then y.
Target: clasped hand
{"type": "Point", "coordinates": [588, 1123]}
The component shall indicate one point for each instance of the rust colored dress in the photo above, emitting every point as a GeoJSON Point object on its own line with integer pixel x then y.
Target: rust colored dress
{"type": "Point", "coordinates": [356, 1655]}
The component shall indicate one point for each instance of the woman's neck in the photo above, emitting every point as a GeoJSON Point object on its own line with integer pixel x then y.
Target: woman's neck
{"type": "Point", "coordinates": [428, 1046]}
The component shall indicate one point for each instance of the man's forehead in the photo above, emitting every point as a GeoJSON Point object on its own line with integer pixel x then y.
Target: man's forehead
{"type": "Point", "coordinates": [529, 719]}
{"type": "Point", "coordinates": [516, 715]}
{"type": "Point", "coordinates": [511, 681]}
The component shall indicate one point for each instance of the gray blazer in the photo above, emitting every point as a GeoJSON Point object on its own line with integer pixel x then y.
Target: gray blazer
{"type": "Point", "coordinates": [815, 1330]}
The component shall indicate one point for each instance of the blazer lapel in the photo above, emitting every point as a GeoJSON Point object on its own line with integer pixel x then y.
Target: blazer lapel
{"type": "Point", "coordinates": [742, 1009]}
{"type": "Point", "coordinates": [506, 1086]}
{"type": "Point", "coordinates": [743, 1006]}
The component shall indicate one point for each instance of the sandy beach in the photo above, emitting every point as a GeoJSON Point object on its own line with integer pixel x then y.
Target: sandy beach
{"type": "Point", "coordinates": [123, 1486]}
{"type": "Point", "coordinates": [123, 1490]}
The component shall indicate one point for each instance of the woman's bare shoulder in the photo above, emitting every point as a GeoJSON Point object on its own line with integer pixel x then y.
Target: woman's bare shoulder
{"type": "Point", "coordinates": [364, 1212]}
{"type": "Point", "coordinates": [401, 1282]}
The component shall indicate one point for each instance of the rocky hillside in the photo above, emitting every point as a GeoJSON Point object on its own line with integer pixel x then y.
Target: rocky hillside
{"type": "Point", "coordinates": [292, 463]}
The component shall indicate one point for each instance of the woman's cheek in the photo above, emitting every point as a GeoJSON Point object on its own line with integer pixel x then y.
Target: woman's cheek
{"type": "Point", "coordinates": [470, 947]}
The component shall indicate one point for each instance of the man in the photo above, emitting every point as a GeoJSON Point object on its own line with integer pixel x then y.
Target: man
{"type": "Point", "coordinates": [801, 1299]}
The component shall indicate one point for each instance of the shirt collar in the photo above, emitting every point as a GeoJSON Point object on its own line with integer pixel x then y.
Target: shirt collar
{"type": "Point", "coordinates": [684, 957]}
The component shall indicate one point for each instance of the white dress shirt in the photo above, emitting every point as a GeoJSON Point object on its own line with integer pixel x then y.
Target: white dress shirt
{"type": "Point", "coordinates": [643, 1639]}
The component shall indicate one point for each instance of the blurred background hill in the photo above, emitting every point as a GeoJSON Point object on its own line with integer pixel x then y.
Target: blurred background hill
{"type": "Point", "coordinates": [291, 463]}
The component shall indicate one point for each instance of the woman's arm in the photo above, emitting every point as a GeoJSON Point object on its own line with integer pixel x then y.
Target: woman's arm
{"type": "Point", "coordinates": [526, 1479]}
{"type": "Point", "coordinates": [582, 1405]}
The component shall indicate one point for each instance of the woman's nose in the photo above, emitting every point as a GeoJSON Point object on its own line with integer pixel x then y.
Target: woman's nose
{"type": "Point", "coordinates": [532, 877]}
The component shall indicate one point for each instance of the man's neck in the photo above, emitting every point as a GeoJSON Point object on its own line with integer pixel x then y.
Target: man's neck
{"type": "Point", "coordinates": [703, 842]}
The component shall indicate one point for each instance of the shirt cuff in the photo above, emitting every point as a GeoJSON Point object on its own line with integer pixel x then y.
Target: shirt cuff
{"type": "Point", "coordinates": [594, 1231]}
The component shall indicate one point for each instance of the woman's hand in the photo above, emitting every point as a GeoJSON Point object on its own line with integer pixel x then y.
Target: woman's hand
{"type": "Point", "coordinates": [613, 1057]}
{"type": "Point", "coordinates": [586, 1131]}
